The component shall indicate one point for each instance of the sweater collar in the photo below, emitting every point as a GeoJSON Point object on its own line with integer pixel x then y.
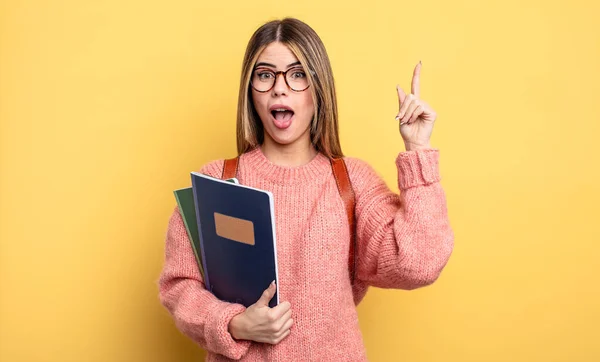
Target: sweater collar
{"type": "Point", "coordinates": [257, 162]}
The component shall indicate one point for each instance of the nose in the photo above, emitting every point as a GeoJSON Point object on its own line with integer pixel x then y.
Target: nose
{"type": "Point", "coordinates": [280, 86]}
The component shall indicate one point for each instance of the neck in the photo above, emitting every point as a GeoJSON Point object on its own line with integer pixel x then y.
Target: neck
{"type": "Point", "coordinates": [292, 155]}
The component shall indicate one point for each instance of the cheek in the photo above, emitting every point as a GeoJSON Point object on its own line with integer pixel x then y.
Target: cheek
{"type": "Point", "coordinates": [308, 104]}
{"type": "Point", "coordinates": [259, 102]}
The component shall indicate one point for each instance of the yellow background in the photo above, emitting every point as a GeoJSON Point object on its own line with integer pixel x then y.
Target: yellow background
{"type": "Point", "coordinates": [106, 107]}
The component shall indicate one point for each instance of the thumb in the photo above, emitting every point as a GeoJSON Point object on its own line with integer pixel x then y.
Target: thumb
{"type": "Point", "coordinates": [401, 96]}
{"type": "Point", "coordinates": [267, 295]}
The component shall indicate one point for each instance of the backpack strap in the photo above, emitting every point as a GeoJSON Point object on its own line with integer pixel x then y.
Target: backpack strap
{"type": "Point", "coordinates": [230, 168]}
{"type": "Point", "coordinates": [342, 179]}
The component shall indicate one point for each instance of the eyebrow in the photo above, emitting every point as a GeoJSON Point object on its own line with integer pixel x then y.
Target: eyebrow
{"type": "Point", "coordinates": [274, 66]}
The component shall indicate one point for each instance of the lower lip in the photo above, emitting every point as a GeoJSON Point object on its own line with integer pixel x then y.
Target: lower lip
{"type": "Point", "coordinates": [283, 124]}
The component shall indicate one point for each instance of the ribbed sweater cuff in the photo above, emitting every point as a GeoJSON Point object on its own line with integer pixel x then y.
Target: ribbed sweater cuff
{"type": "Point", "coordinates": [217, 335]}
{"type": "Point", "coordinates": [420, 167]}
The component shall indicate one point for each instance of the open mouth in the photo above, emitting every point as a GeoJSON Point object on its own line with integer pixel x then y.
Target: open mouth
{"type": "Point", "coordinates": [282, 116]}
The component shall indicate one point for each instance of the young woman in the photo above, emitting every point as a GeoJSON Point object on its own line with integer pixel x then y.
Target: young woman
{"type": "Point", "coordinates": [287, 135]}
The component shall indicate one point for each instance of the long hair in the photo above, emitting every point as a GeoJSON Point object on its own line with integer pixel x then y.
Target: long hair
{"type": "Point", "coordinates": [306, 45]}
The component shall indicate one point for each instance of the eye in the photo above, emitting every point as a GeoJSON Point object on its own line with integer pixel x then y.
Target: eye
{"type": "Point", "coordinates": [264, 74]}
{"type": "Point", "coordinates": [298, 74]}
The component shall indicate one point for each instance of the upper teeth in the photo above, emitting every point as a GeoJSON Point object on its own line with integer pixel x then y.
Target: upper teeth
{"type": "Point", "coordinates": [281, 110]}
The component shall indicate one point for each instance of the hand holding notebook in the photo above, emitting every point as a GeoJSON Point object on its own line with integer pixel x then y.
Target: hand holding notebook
{"type": "Point", "coordinates": [260, 323]}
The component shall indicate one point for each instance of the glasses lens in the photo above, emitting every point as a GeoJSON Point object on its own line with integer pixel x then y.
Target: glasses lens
{"type": "Point", "coordinates": [262, 80]}
{"type": "Point", "coordinates": [297, 80]}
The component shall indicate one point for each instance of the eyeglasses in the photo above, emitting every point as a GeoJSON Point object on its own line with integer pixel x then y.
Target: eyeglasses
{"type": "Point", "coordinates": [263, 79]}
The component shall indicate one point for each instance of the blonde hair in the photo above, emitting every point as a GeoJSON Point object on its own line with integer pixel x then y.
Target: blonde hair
{"type": "Point", "coordinates": [306, 45]}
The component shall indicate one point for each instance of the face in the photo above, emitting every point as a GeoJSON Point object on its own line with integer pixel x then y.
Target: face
{"type": "Point", "coordinates": [290, 127]}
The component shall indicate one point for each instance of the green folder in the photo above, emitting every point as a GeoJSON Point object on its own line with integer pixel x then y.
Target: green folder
{"type": "Point", "coordinates": [187, 208]}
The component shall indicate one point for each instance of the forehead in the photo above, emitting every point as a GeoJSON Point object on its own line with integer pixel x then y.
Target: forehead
{"type": "Point", "coordinates": [277, 54]}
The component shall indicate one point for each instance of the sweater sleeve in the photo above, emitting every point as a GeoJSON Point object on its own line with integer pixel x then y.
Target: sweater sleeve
{"type": "Point", "coordinates": [403, 241]}
{"type": "Point", "coordinates": [196, 311]}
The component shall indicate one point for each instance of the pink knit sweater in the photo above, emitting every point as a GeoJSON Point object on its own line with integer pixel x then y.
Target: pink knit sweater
{"type": "Point", "coordinates": [404, 241]}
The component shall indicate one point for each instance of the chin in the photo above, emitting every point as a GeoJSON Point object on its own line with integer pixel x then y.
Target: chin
{"type": "Point", "coordinates": [283, 139]}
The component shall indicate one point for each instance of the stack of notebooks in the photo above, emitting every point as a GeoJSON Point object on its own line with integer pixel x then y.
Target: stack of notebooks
{"type": "Point", "coordinates": [232, 231]}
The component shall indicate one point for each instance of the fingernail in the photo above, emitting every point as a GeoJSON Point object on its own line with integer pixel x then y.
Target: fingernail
{"type": "Point", "coordinates": [420, 62]}
{"type": "Point", "coordinates": [273, 282]}
{"type": "Point", "coordinates": [397, 118]}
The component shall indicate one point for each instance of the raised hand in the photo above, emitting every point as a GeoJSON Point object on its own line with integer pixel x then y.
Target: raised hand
{"type": "Point", "coordinates": [260, 323]}
{"type": "Point", "coordinates": [416, 117]}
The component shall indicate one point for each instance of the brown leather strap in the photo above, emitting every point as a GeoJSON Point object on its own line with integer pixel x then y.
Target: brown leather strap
{"type": "Point", "coordinates": [342, 178]}
{"type": "Point", "coordinates": [230, 168]}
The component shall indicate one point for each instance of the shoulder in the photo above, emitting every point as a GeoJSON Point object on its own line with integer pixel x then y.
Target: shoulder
{"type": "Point", "coordinates": [356, 164]}
{"type": "Point", "coordinates": [362, 174]}
{"type": "Point", "coordinates": [213, 168]}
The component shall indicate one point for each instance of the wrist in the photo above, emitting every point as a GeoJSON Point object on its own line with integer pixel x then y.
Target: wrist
{"type": "Point", "coordinates": [415, 147]}
{"type": "Point", "coordinates": [235, 327]}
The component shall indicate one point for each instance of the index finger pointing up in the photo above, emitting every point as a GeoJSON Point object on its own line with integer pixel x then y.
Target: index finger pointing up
{"type": "Point", "coordinates": [416, 82]}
